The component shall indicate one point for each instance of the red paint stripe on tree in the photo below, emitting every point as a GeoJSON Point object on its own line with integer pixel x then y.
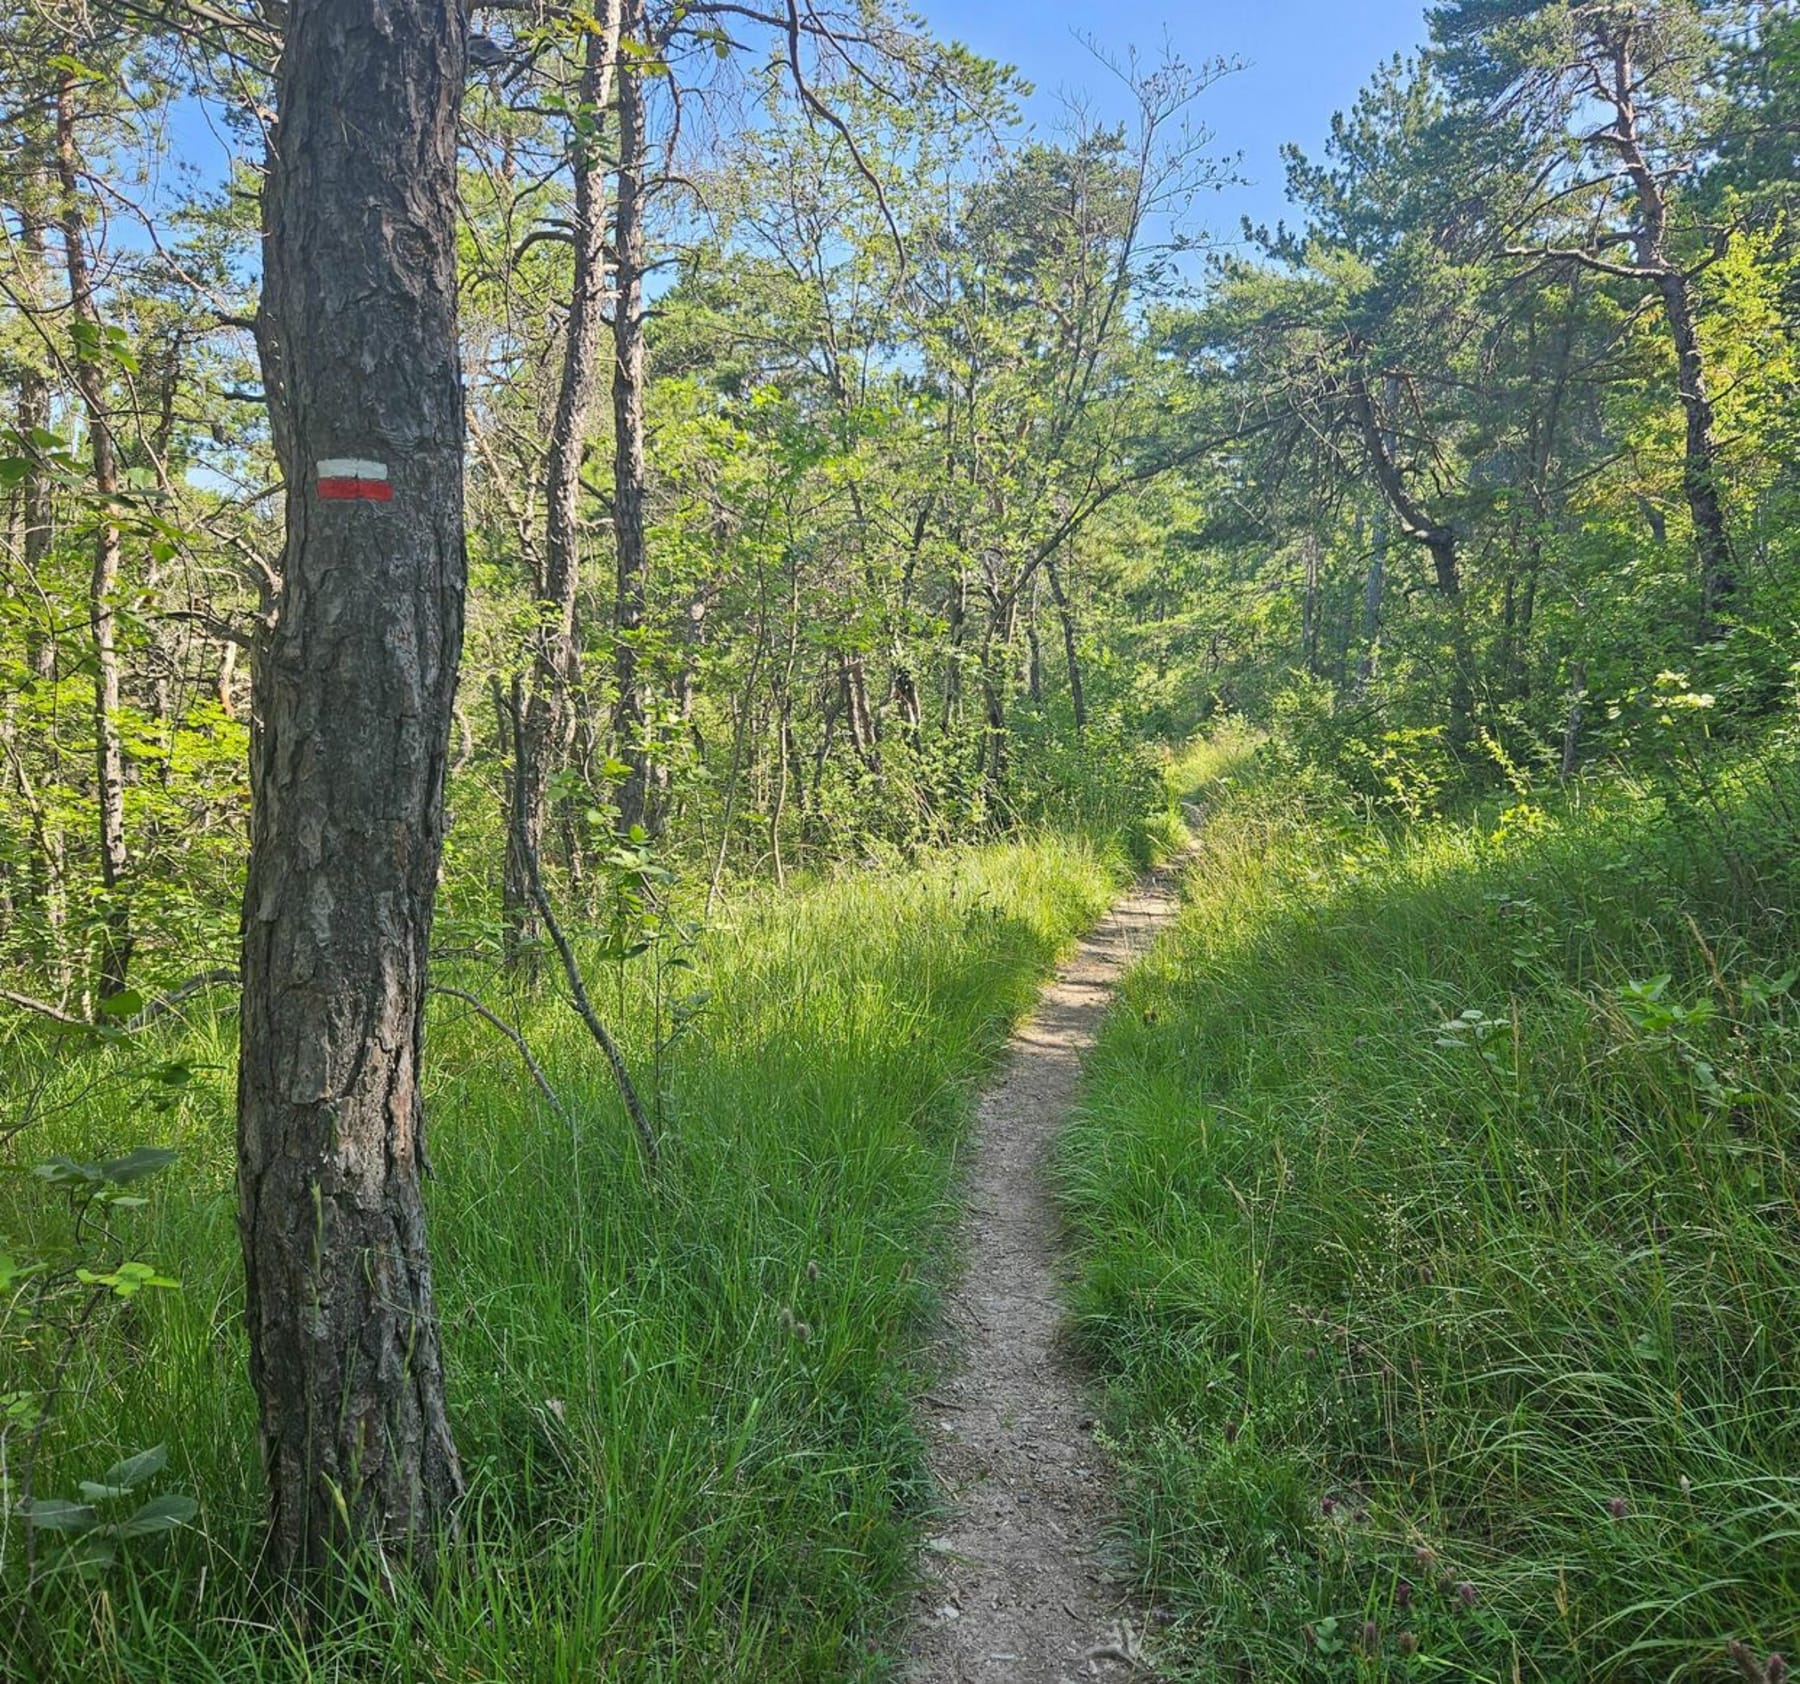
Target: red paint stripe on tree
{"type": "Point", "coordinates": [339, 490]}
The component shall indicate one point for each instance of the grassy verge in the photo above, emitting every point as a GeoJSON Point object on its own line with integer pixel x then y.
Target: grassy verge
{"type": "Point", "coordinates": [1437, 1203]}
{"type": "Point", "coordinates": [686, 1411]}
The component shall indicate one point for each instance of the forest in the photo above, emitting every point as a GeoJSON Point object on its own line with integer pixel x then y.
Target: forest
{"type": "Point", "coordinates": [790, 892]}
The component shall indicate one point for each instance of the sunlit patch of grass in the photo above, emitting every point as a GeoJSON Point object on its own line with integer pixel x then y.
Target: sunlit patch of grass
{"type": "Point", "coordinates": [1209, 758]}
{"type": "Point", "coordinates": [687, 1408]}
{"type": "Point", "coordinates": [1443, 1265]}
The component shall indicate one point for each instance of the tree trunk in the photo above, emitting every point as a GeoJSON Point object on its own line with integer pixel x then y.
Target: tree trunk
{"type": "Point", "coordinates": [1034, 648]}
{"type": "Point", "coordinates": [353, 698]}
{"type": "Point", "coordinates": [853, 676]}
{"type": "Point", "coordinates": [36, 508]}
{"type": "Point", "coordinates": [1065, 612]}
{"type": "Point", "coordinates": [956, 615]}
{"type": "Point", "coordinates": [90, 381]}
{"type": "Point", "coordinates": [545, 714]}
{"type": "Point", "coordinates": [1700, 459]}
{"type": "Point", "coordinates": [1571, 747]}
{"type": "Point", "coordinates": [996, 683]}
{"type": "Point", "coordinates": [1438, 537]}
{"type": "Point", "coordinates": [36, 516]}
{"type": "Point", "coordinates": [1374, 584]}
{"type": "Point", "coordinates": [630, 714]}
{"type": "Point", "coordinates": [1309, 608]}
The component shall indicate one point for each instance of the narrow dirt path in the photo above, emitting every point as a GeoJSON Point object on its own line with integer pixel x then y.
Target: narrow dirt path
{"type": "Point", "coordinates": [1016, 1588]}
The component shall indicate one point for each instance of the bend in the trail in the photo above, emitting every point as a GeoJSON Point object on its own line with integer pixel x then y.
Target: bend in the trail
{"type": "Point", "coordinates": [1016, 1584]}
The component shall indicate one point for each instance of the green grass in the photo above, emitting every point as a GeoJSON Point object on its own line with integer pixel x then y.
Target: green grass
{"type": "Point", "coordinates": [687, 1412]}
{"type": "Point", "coordinates": [1392, 1299]}
{"type": "Point", "coordinates": [1207, 759]}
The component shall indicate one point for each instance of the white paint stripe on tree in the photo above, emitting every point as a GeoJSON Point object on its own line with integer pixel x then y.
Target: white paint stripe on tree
{"type": "Point", "coordinates": [351, 467]}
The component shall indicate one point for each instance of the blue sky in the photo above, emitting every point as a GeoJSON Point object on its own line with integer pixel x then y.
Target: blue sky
{"type": "Point", "coordinates": [1305, 59]}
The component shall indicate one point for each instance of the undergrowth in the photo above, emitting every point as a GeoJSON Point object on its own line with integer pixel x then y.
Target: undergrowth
{"type": "Point", "coordinates": [686, 1409]}
{"type": "Point", "coordinates": [1437, 1206]}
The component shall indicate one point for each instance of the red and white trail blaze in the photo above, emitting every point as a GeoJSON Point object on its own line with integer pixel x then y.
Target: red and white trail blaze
{"type": "Point", "coordinates": [350, 479]}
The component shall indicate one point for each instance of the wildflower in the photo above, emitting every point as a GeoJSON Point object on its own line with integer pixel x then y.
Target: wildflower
{"type": "Point", "coordinates": [1616, 1508]}
{"type": "Point", "coordinates": [1403, 1595]}
{"type": "Point", "coordinates": [1371, 1637]}
{"type": "Point", "coordinates": [1775, 1669]}
{"type": "Point", "coordinates": [812, 1270]}
{"type": "Point", "coordinates": [1465, 1593]}
{"type": "Point", "coordinates": [1407, 1644]}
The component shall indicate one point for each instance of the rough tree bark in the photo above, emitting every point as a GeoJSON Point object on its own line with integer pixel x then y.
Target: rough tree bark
{"type": "Point", "coordinates": [545, 717]}
{"type": "Point", "coordinates": [90, 381]}
{"type": "Point", "coordinates": [353, 697]}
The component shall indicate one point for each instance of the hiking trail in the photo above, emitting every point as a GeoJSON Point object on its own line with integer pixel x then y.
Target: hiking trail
{"type": "Point", "coordinates": [1016, 1584]}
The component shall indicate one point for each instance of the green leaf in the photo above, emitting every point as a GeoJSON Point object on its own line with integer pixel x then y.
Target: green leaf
{"type": "Point", "coordinates": [103, 1493]}
{"type": "Point", "coordinates": [139, 1162]}
{"type": "Point", "coordinates": [126, 1004]}
{"type": "Point", "coordinates": [160, 1514]}
{"type": "Point", "coordinates": [57, 1514]}
{"type": "Point", "coordinates": [134, 1470]}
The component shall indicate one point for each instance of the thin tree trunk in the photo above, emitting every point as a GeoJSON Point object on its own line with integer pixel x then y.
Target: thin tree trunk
{"type": "Point", "coordinates": [996, 675]}
{"type": "Point", "coordinates": [784, 742]}
{"type": "Point", "coordinates": [553, 653]}
{"type": "Point", "coordinates": [630, 713]}
{"type": "Point", "coordinates": [36, 512]}
{"type": "Point", "coordinates": [36, 508]}
{"type": "Point", "coordinates": [1309, 608]}
{"type": "Point", "coordinates": [853, 676]}
{"type": "Point", "coordinates": [957, 615]}
{"type": "Point", "coordinates": [1700, 458]}
{"type": "Point", "coordinates": [1374, 584]}
{"type": "Point", "coordinates": [1571, 748]}
{"type": "Point", "coordinates": [354, 687]}
{"type": "Point", "coordinates": [1065, 612]}
{"type": "Point", "coordinates": [1438, 537]}
{"type": "Point", "coordinates": [90, 381]}
{"type": "Point", "coordinates": [1034, 649]}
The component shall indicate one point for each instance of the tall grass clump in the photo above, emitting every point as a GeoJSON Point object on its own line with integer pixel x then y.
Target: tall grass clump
{"type": "Point", "coordinates": [1436, 1194]}
{"type": "Point", "coordinates": [686, 1405]}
